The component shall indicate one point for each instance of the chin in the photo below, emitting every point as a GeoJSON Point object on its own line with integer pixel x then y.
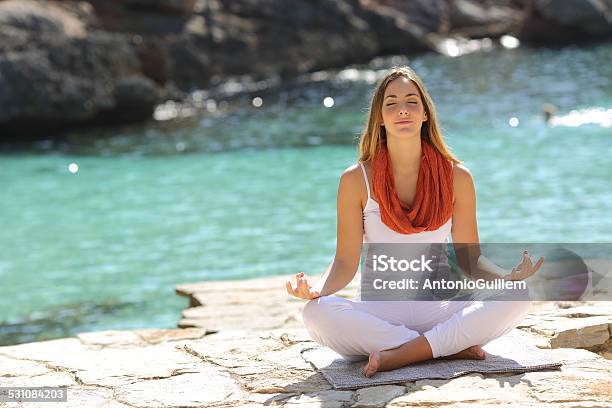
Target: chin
{"type": "Point", "coordinates": [407, 132]}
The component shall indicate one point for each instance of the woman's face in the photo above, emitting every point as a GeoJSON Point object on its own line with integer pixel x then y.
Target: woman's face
{"type": "Point", "coordinates": [403, 111]}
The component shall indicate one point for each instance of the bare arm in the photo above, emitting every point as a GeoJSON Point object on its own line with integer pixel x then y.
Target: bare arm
{"type": "Point", "coordinates": [465, 229]}
{"type": "Point", "coordinates": [348, 243]}
{"type": "Point", "coordinates": [465, 236]}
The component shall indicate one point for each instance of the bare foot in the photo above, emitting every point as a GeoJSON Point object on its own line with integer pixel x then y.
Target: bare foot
{"type": "Point", "coordinates": [373, 363]}
{"type": "Point", "coordinates": [411, 352]}
{"type": "Point", "coordinates": [470, 353]}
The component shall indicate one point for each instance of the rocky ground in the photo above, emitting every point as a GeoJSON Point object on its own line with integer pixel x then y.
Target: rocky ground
{"type": "Point", "coordinates": [241, 347]}
{"type": "Point", "coordinates": [66, 63]}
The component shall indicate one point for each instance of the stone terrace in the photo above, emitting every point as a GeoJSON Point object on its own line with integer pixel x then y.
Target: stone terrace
{"type": "Point", "coordinates": [240, 345]}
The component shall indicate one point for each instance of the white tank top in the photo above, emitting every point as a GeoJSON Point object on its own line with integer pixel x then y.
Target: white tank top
{"type": "Point", "coordinates": [375, 231]}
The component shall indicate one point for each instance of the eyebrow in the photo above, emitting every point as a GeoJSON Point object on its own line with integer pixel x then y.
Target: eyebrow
{"type": "Point", "coordinates": [395, 96]}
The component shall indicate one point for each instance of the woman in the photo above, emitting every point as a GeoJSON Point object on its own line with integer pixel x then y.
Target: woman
{"type": "Point", "coordinates": [406, 188]}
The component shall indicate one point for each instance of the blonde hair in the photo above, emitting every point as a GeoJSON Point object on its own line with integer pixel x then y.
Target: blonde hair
{"type": "Point", "coordinates": [374, 134]}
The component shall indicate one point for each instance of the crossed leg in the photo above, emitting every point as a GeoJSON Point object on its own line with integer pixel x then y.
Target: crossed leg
{"type": "Point", "coordinates": [393, 334]}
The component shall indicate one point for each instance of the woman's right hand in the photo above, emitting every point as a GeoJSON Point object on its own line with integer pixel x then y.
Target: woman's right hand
{"type": "Point", "coordinates": [303, 289]}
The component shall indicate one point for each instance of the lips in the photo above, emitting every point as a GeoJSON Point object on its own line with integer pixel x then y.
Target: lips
{"type": "Point", "coordinates": [403, 122]}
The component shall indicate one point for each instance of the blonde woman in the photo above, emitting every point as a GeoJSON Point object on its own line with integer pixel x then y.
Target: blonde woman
{"type": "Point", "coordinates": [407, 187]}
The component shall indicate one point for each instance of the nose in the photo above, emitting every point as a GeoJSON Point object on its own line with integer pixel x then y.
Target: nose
{"type": "Point", "coordinates": [403, 111]}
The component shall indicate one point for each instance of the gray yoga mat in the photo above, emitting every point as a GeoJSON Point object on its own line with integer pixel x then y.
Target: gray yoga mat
{"type": "Point", "coordinates": [511, 353]}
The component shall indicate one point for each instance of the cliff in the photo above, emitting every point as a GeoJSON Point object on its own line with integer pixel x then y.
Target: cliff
{"type": "Point", "coordinates": [70, 63]}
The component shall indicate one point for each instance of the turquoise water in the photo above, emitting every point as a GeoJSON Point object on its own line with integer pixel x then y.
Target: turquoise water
{"type": "Point", "coordinates": [245, 192]}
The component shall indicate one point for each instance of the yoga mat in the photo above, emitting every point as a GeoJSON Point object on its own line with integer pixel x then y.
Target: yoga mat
{"type": "Point", "coordinates": [511, 353]}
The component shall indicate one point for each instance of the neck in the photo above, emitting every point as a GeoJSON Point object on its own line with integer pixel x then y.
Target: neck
{"type": "Point", "coordinates": [405, 154]}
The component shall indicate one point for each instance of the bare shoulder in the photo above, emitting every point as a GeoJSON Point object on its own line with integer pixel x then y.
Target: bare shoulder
{"type": "Point", "coordinates": [461, 173]}
{"type": "Point", "coordinates": [352, 183]}
{"type": "Point", "coordinates": [463, 181]}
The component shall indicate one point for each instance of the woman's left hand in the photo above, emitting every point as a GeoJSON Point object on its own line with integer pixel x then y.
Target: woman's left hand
{"type": "Point", "coordinates": [525, 269]}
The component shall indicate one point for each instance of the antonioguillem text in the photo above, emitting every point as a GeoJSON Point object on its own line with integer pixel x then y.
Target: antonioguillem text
{"type": "Point", "coordinates": [443, 284]}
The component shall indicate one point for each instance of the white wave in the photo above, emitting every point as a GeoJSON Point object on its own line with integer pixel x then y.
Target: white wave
{"type": "Point", "coordinates": [590, 116]}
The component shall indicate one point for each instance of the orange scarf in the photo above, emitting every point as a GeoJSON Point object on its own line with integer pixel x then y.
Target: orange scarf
{"type": "Point", "coordinates": [433, 201]}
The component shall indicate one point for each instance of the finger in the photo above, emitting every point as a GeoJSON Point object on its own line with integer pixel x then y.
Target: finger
{"type": "Point", "coordinates": [528, 265]}
{"type": "Point", "coordinates": [302, 277]}
{"type": "Point", "coordinates": [532, 271]}
{"type": "Point", "coordinates": [303, 287]}
{"type": "Point", "coordinates": [525, 256]}
{"type": "Point", "coordinates": [525, 264]}
{"type": "Point", "coordinates": [538, 264]}
{"type": "Point", "coordinates": [522, 273]}
{"type": "Point", "coordinates": [289, 288]}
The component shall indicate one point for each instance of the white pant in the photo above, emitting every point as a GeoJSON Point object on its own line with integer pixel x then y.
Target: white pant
{"type": "Point", "coordinates": [355, 328]}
